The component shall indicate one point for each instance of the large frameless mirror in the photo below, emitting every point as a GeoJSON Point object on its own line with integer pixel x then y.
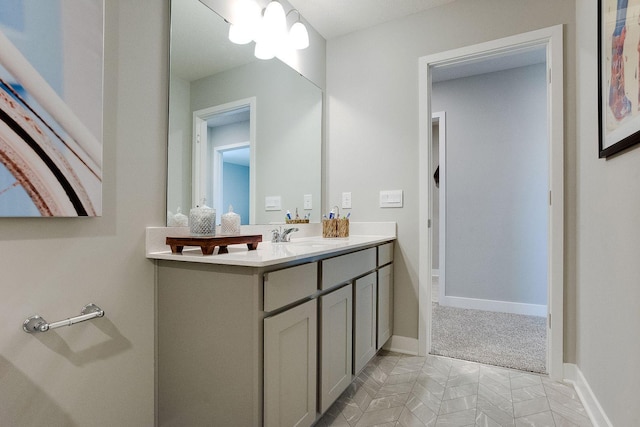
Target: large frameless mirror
{"type": "Point", "coordinates": [242, 131]}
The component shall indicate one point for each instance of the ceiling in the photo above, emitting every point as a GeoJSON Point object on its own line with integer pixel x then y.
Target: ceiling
{"type": "Point", "coordinates": [334, 18]}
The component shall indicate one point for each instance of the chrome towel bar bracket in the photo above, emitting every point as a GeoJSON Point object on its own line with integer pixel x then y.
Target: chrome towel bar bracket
{"type": "Point", "coordinates": [36, 323]}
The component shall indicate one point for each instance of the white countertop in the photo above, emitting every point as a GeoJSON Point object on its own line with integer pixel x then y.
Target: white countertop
{"type": "Point", "coordinates": [268, 254]}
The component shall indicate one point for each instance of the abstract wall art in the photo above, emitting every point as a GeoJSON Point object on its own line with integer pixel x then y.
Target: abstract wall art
{"type": "Point", "coordinates": [51, 92]}
{"type": "Point", "coordinates": [618, 75]}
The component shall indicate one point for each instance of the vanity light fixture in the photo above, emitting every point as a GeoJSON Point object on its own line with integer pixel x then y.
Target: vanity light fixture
{"type": "Point", "coordinates": [269, 31]}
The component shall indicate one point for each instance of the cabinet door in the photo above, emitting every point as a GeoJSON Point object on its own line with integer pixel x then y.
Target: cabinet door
{"type": "Point", "coordinates": [290, 349]}
{"type": "Point", "coordinates": [336, 341]}
{"type": "Point", "coordinates": [385, 304]}
{"type": "Point", "coordinates": [364, 347]}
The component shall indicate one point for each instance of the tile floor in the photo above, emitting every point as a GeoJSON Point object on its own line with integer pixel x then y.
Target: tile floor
{"type": "Point", "coordinates": [396, 390]}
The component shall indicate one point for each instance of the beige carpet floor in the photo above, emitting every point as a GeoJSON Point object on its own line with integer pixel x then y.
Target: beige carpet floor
{"type": "Point", "coordinates": [500, 339]}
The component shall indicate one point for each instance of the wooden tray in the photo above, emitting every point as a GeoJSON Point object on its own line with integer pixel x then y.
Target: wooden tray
{"type": "Point", "coordinates": [208, 243]}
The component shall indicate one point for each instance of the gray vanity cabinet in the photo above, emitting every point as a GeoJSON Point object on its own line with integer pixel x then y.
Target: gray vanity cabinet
{"type": "Point", "coordinates": [267, 346]}
{"type": "Point", "coordinates": [290, 367]}
{"type": "Point", "coordinates": [336, 335]}
{"type": "Point", "coordinates": [365, 326]}
{"type": "Point", "coordinates": [290, 346]}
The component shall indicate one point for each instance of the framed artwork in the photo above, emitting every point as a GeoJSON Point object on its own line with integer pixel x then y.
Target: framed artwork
{"type": "Point", "coordinates": [51, 86]}
{"type": "Point", "coordinates": [618, 75]}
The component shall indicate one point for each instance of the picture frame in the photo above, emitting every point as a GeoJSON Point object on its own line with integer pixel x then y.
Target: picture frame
{"type": "Point", "coordinates": [618, 75]}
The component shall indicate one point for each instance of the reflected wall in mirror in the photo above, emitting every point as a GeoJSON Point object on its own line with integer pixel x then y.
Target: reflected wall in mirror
{"type": "Point", "coordinates": [221, 99]}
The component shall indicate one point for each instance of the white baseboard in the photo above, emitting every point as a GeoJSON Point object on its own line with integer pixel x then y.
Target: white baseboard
{"type": "Point", "coordinates": [573, 374]}
{"type": "Point", "coordinates": [492, 305]}
{"type": "Point", "coordinates": [403, 345]}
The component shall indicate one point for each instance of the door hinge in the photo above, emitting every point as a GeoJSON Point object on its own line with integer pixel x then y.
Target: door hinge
{"type": "Point", "coordinates": [549, 320]}
{"type": "Point", "coordinates": [429, 223]}
{"type": "Point", "coordinates": [549, 197]}
{"type": "Point", "coordinates": [549, 75]}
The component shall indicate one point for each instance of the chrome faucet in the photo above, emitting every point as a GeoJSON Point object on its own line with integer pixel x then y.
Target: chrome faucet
{"type": "Point", "coordinates": [280, 235]}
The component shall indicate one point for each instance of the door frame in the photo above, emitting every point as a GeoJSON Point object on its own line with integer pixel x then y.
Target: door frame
{"type": "Point", "coordinates": [551, 39]}
{"type": "Point", "coordinates": [201, 151]}
{"type": "Point", "coordinates": [218, 174]}
{"type": "Point", "coordinates": [440, 118]}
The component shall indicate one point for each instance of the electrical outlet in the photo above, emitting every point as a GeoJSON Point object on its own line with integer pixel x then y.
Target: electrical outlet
{"type": "Point", "coordinates": [308, 205]}
{"type": "Point", "coordinates": [346, 200]}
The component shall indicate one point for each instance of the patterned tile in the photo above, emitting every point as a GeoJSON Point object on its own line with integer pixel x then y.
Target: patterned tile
{"type": "Point", "coordinates": [428, 383]}
{"type": "Point", "coordinates": [530, 407]}
{"type": "Point", "coordinates": [527, 393]}
{"type": "Point", "coordinates": [409, 391]}
{"type": "Point", "coordinates": [431, 400]}
{"type": "Point", "coordinates": [460, 391]}
{"type": "Point", "coordinates": [457, 419]}
{"type": "Point", "coordinates": [459, 404]}
{"type": "Point", "coordinates": [393, 401]}
{"type": "Point", "coordinates": [541, 419]}
{"type": "Point", "coordinates": [520, 380]}
{"type": "Point", "coordinates": [382, 416]}
{"type": "Point", "coordinates": [407, 419]}
{"type": "Point", "coordinates": [503, 414]}
{"type": "Point", "coordinates": [422, 411]}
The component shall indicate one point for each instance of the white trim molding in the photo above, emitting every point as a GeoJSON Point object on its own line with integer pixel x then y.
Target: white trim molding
{"type": "Point", "coordinates": [552, 39]}
{"type": "Point", "coordinates": [598, 417]}
{"type": "Point", "coordinates": [401, 344]}
{"type": "Point", "coordinates": [493, 305]}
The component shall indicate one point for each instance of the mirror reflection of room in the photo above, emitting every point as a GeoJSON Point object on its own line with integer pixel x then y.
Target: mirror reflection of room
{"type": "Point", "coordinates": [281, 144]}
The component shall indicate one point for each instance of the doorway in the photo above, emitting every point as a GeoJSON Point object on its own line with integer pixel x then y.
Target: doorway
{"type": "Point", "coordinates": [224, 157]}
{"type": "Point", "coordinates": [550, 41]}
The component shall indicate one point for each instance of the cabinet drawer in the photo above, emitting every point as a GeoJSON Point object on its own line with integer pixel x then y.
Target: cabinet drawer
{"type": "Point", "coordinates": [286, 286]}
{"type": "Point", "coordinates": [385, 254]}
{"type": "Point", "coordinates": [344, 268]}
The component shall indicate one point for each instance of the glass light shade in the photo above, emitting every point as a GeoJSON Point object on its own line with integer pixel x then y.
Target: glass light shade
{"type": "Point", "coordinates": [299, 36]}
{"type": "Point", "coordinates": [264, 50]}
{"type": "Point", "coordinates": [247, 16]}
{"type": "Point", "coordinates": [239, 34]}
{"type": "Point", "coordinates": [274, 24]}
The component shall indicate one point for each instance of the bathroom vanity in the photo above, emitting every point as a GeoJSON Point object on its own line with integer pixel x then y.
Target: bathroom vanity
{"type": "Point", "coordinates": [269, 337]}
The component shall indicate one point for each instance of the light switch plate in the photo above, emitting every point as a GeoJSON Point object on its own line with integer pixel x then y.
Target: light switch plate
{"type": "Point", "coordinates": [391, 199]}
{"type": "Point", "coordinates": [272, 203]}
{"type": "Point", "coordinates": [346, 200]}
{"type": "Point", "coordinates": [308, 202]}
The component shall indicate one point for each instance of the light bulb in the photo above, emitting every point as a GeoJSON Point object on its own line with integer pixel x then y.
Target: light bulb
{"type": "Point", "coordinates": [299, 36]}
{"type": "Point", "coordinates": [246, 20]}
{"type": "Point", "coordinates": [274, 24]}
{"type": "Point", "coordinates": [263, 50]}
{"type": "Point", "coordinates": [240, 34]}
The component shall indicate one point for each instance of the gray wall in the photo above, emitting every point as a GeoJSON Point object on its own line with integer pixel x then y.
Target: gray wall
{"type": "Point", "coordinates": [496, 185]}
{"type": "Point", "coordinates": [179, 147]}
{"type": "Point", "coordinates": [372, 122]}
{"type": "Point", "coordinates": [608, 288]}
{"type": "Point", "coordinates": [98, 373]}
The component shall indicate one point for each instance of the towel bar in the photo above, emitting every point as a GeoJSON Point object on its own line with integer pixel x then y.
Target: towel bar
{"type": "Point", "coordinates": [36, 323]}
